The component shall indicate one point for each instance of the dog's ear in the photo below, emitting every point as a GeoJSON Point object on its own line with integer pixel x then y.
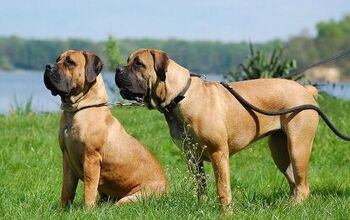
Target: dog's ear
{"type": "Point", "coordinates": [160, 61]}
{"type": "Point", "coordinates": [93, 66]}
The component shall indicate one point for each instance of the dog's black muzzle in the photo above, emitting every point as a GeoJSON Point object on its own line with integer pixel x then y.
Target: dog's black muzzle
{"type": "Point", "coordinates": [55, 81]}
{"type": "Point", "coordinates": [130, 86]}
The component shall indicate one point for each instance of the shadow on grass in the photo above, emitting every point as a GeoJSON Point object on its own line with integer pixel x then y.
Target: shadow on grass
{"type": "Point", "coordinates": [331, 190]}
{"type": "Point", "coordinates": [184, 204]}
{"type": "Point", "coordinates": [281, 196]}
{"type": "Point", "coordinates": [263, 200]}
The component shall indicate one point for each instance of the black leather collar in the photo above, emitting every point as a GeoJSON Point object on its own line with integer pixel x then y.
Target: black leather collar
{"type": "Point", "coordinates": [168, 108]}
{"type": "Point", "coordinates": [71, 109]}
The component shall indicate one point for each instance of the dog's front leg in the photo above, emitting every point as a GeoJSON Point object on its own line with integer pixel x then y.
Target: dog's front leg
{"type": "Point", "coordinates": [69, 185]}
{"type": "Point", "coordinates": [220, 161]}
{"type": "Point", "coordinates": [92, 168]}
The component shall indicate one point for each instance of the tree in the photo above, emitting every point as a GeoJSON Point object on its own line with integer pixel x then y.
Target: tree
{"type": "Point", "coordinates": [113, 53]}
{"type": "Point", "coordinates": [5, 63]}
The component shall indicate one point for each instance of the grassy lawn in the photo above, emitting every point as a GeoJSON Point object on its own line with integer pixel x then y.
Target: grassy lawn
{"type": "Point", "coordinates": [30, 174]}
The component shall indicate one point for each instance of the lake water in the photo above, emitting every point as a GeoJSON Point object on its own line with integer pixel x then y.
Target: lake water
{"type": "Point", "coordinates": [17, 87]}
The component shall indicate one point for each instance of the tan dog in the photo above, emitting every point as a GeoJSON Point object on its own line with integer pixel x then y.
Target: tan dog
{"type": "Point", "coordinates": [206, 115]}
{"type": "Point", "coordinates": [95, 146]}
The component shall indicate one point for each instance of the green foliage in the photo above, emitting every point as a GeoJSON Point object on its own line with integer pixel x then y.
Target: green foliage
{"type": "Point", "coordinates": [260, 65]}
{"type": "Point", "coordinates": [22, 108]}
{"type": "Point", "coordinates": [198, 56]}
{"type": "Point", "coordinates": [332, 37]}
{"type": "Point", "coordinates": [31, 174]}
{"type": "Point", "coordinates": [35, 54]}
{"type": "Point", "coordinates": [5, 63]}
{"type": "Point", "coordinates": [114, 56]}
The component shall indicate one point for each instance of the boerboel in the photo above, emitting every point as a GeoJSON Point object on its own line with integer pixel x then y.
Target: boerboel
{"type": "Point", "coordinates": [95, 147]}
{"type": "Point", "coordinates": [206, 119]}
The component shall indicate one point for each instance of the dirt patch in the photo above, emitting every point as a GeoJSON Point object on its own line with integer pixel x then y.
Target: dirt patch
{"type": "Point", "coordinates": [321, 74]}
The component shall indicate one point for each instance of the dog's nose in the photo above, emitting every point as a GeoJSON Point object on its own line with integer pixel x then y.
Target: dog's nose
{"type": "Point", "coordinates": [49, 67]}
{"type": "Point", "coordinates": [118, 71]}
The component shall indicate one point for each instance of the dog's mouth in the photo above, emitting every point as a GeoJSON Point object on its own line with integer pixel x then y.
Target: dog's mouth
{"type": "Point", "coordinates": [130, 87]}
{"type": "Point", "coordinates": [56, 85]}
{"type": "Point", "coordinates": [49, 85]}
{"type": "Point", "coordinates": [129, 95]}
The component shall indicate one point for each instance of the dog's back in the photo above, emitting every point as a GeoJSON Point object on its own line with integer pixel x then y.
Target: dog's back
{"type": "Point", "coordinates": [313, 90]}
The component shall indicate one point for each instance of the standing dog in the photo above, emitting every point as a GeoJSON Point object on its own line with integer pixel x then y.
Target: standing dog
{"type": "Point", "coordinates": [206, 113]}
{"type": "Point", "coordinates": [95, 146]}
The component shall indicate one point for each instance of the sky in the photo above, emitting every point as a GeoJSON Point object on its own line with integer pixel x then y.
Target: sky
{"type": "Point", "coordinates": [224, 20]}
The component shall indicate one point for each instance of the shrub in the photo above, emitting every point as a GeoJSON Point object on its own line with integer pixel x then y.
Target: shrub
{"type": "Point", "coordinates": [260, 65]}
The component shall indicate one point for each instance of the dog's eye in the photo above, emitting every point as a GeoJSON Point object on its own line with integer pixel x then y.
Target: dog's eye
{"type": "Point", "coordinates": [138, 63]}
{"type": "Point", "coordinates": [69, 63]}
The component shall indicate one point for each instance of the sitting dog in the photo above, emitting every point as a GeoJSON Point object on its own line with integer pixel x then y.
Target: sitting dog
{"type": "Point", "coordinates": [95, 147]}
{"type": "Point", "coordinates": [206, 115]}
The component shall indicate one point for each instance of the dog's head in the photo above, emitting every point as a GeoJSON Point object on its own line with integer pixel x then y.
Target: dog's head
{"type": "Point", "coordinates": [72, 73]}
{"type": "Point", "coordinates": [150, 76]}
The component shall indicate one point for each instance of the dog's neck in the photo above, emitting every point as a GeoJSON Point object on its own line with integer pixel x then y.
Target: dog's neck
{"type": "Point", "coordinates": [84, 100]}
{"type": "Point", "coordinates": [176, 80]}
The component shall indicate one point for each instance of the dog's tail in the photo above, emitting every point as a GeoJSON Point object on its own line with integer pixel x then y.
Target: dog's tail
{"type": "Point", "coordinates": [312, 90]}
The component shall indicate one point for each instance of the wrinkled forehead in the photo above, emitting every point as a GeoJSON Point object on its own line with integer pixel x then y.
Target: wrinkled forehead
{"type": "Point", "coordinates": [76, 56]}
{"type": "Point", "coordinates": [138, 54]}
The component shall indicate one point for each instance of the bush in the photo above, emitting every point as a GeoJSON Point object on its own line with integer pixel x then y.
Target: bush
{"type": "Point", "coordinates": [260, 65]}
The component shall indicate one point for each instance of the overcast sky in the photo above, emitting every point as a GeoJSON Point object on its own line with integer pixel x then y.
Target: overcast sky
{"type": "Point", "coordinates": [227, 20]}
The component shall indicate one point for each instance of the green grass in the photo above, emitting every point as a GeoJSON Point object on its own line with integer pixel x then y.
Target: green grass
{"type": "Point", "coordinates": [30, 174]}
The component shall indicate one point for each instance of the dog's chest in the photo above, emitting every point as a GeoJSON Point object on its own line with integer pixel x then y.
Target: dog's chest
{"type": "Point", "coordinates": [184, 137]}
{"type": "Point", "coordinates": [74, 149]}
{"type": "Point", "coordinates": [177, 130]}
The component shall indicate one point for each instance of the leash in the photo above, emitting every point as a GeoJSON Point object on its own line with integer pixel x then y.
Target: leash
{"type": "Point", "coordinates": [299, 108]}
{"type": "Point", "coordinates": [129, 104]}
{"type": "Point", "coordinates": [298, 71]}
{"type": "Point", "coordinates": [108, 104]}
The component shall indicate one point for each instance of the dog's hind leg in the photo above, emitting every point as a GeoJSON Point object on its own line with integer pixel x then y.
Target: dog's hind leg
{"type": "Point", "coordinates": [279, 150]}
{"type": "Point", "coordinates": [153, 189]}
{"type": "Point", "coordinates": [130, 198]}
{"type": "Point", "coordinates": [301, 130]}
